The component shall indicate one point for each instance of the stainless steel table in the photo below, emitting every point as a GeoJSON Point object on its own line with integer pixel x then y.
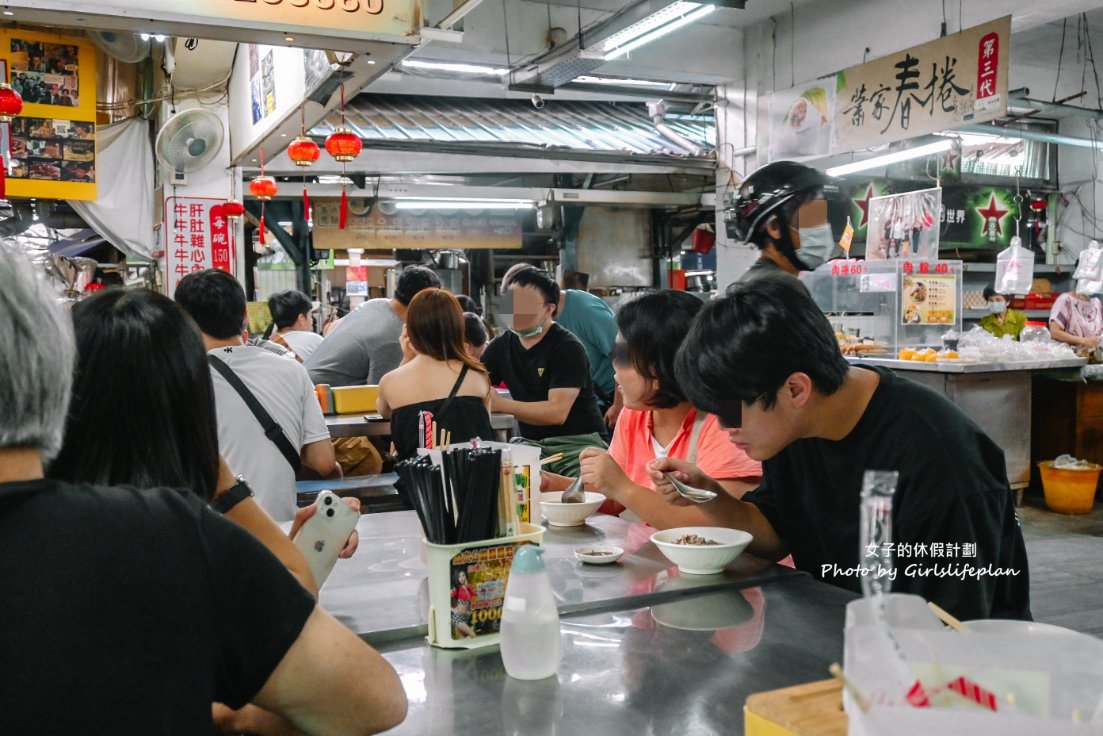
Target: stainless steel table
{"type": "Point", "coordinates": [355, 425]}
{"type": "Point", "coordinates": [997, 396]}
{"type": "Point", "coordinates": [682, 668]}
{"type": "Point", "coordinates": [382, 592]}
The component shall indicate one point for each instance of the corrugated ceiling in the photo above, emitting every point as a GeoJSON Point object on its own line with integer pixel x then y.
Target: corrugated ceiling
{"type": "Point", "coordinates": [560, 128]}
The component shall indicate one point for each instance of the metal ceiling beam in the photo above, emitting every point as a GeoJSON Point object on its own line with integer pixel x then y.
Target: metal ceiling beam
{"type": "Point", "coordinates": [536, 194]}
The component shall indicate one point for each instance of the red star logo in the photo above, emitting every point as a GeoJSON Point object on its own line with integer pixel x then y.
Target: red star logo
{"type": "Point", "coordinates": [949, 160]}
{"type": "Point", "coordinates": [993, 210]}
{"type": "Point", "coordinates": [863, 205]}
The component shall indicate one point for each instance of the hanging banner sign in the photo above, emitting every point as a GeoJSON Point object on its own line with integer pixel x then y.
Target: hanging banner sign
{"type": "Point", "coordinates": [197, 237]}
{"type": "Point", "coordinates": [939, 85]}
{"type": "Point", "coordinates": [383, 228]}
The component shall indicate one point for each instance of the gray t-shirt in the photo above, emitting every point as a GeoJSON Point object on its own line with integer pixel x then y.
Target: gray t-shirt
{"type": "Point", "coordinates": [362, 348]}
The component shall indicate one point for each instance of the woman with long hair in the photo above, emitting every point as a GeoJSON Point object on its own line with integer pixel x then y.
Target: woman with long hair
{"type": "Point", "coordinates": [143, 411]}
{"type": "Point", "coordinates": [437, 375]}
{"type": "Point", "coordinates": [143, 414]}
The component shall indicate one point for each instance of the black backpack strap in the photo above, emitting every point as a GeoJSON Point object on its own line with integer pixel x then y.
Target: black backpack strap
{"type": "Point", "coordinates": [455, 390]}
{"type": "Point", "coordinates": [272, 429]}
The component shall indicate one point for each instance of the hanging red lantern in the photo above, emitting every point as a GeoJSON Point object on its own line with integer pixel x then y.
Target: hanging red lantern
{"type": "Point", "coordinates": [343, 145]}
{"type": "Point", "coordinates": [263, 188]}
{"type": "Point", "coordinates": [303, 151]}
{"type": "Point", "coordinates": [1038, 203]}
{"type": "Point", "coordinates": [233, 209]}
{"type": "Point", "coordinates": [11, 104]}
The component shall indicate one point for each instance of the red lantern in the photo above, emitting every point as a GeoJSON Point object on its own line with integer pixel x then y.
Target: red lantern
{"type": "Point", "coordinates": [233, 209]}
{"type": "Point", "coordinates": [343, 145]}
{"type": "Point", "coordinates": [1038, 203]}
{"type": "Point", "coordinates": [303, 151]}
{"type": "Point", "coordinates": [263, 188]}
{"type": "Point", "coordinates": [11, 104]}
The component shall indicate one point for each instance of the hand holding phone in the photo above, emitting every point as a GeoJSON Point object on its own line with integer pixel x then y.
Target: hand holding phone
{"type": "Point", "coordinates": [324, 534]}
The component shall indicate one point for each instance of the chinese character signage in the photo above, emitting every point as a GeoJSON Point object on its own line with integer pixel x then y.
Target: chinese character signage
{"type": "Point", "coordinates": [929, 297]}
{"type": "Point", "coordinates": [381, 20]}
{"type": "Point", "coordinates": [53, 141]}
{"type": "Point", "coordinates": [198, 236]}
{"type": "Point", "coordinates": [402, 229]}
{"type": "Point", "coordinates": [942, 84]}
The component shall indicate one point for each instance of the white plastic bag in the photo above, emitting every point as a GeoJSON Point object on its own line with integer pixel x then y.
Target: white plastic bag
{"type": "Point", "coordinates": [1015, 269]}
{"type": "Point", "coordinates": [1089, 267]}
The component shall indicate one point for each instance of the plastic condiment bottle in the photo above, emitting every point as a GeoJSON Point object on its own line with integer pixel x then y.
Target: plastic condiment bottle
{"type": "Point", "coordinates": [530, 622]}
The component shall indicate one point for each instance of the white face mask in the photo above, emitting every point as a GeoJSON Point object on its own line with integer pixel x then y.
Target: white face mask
{"type": "Point", "coordinates": [997, 307]}
{"type": "Point", "coordinates": [816, 244]}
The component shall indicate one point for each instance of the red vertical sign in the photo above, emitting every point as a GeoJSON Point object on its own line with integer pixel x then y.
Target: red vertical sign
{"type": "Point", "coordinates": [220, 240]}
{"type": "Point", "coordinates": [198, 236]}
{"type": "Point", "coordinates": [988, 61]}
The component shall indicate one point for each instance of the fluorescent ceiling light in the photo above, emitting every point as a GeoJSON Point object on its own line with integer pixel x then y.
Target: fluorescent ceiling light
{"type": "Point", "coordinates": [464, 204]}
{"type": "Point", "coordinates": [890, 158]}
{"type": "Point", "coordinates": [624, 82]}
{"type": "Point", "coordinates": [654, 26]}
{"type": "Point", "coordinates": [452, 66]}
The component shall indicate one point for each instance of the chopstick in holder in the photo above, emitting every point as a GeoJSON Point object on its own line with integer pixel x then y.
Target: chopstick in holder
{"type": "Point", "coordinates": [551, 458]}
{"type": "Point", "coordinates": [948, 618]}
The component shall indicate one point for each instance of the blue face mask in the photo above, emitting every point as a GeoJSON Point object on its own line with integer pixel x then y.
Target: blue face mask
{"type": "Point", "coordinates": [997, 307]}
{"type": "Point", "coordinates": [816, 244]}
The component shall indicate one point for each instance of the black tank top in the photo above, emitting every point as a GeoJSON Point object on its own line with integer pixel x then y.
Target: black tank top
{"type": "Point", "coordinates": [464, 416]}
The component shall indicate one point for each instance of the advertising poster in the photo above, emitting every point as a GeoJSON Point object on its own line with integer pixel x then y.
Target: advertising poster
{"type": "Point", "coordinates": [268, 84]}
{"type": "Point", "coordinates": [904, 225]}
{"type": "Point", "coordinates": [929, 299]}
{"type": "Point", "coordinates": [53, 150]}
{"type": "Point", "coordinates": [802, 121]}
{"type": "Point", "coordinates": [478, 585]}
{"type": "Point", "coordinates": [52, 142]}
{"type": "Point", "coordinates": [45, 73]}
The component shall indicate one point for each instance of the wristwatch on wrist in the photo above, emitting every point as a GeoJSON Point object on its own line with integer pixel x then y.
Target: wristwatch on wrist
{"type": "Point", "coordinates": [234, 495]}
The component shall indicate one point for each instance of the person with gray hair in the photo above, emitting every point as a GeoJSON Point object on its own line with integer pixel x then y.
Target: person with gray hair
{"type": "Point", "coordinates": [180, 593]}
{"type": "Point", "coordinates": [36, 361]}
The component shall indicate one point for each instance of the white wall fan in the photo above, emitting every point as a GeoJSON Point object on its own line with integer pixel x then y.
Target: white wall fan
{"type": "Point", "coordinates": [188, 141]}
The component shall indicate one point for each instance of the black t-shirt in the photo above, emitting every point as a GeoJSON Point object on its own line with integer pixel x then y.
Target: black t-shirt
{"type": "Point", "coordinates": [952, 490]}
{"type": "Point", "coordinates": [557, 361]}
{"type": "Point", "coordinates": [127, 611]}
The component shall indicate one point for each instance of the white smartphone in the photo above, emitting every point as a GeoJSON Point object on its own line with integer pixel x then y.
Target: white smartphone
{"type": "Point", "coordinates": [323, 536]}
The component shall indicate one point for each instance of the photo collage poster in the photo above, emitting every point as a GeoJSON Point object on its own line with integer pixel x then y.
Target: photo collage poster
{"type": "Point", "coordinates": [52, 143]}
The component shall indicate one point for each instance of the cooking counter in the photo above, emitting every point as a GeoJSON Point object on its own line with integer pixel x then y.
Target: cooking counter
{"type": "Point", "coordinates": [954, 366]}
{"type": "Point", "coordinates": [997, 396]}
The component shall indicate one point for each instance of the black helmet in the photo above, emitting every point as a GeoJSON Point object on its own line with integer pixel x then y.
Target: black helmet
{"type": "Point", "coordinates": [767, 189]}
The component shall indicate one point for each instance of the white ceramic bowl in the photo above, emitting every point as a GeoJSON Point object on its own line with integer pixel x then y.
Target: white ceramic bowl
{"type": "Point", "coordinates": [569, 514]}
{"type": "Point", "coordinates": [702, 559]}
{"type": "Point", "coordinates": [599, 554]}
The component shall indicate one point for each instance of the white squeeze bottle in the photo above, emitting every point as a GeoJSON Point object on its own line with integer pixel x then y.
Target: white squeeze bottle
{"type": "Point", "coordinates": [530, 621]}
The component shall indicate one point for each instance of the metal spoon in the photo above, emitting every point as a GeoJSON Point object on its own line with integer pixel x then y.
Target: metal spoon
{"type": "Point", "coordinates": [697, 495]}
{"type": "Point", "coordinates": [574, 493]}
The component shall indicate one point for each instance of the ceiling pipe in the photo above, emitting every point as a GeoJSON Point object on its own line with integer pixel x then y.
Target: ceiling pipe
{"type": "Point", "coordinates": [657, 109]}
{"type": "Point", "coordinates": [1032, 135]}
{"type": "Point", "coordinates": [457, 15]}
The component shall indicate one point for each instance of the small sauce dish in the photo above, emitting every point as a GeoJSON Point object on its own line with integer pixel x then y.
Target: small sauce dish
{"type": "Point", "coordinates": [599, 554]}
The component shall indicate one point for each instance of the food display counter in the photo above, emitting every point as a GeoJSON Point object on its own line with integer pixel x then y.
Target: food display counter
{"type": "Point", "coordinates": [997, 396]}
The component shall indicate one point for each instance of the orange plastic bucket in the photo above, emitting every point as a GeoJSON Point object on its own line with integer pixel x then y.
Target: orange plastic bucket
{"type": "Point", "coordinates": [1069, 491]}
